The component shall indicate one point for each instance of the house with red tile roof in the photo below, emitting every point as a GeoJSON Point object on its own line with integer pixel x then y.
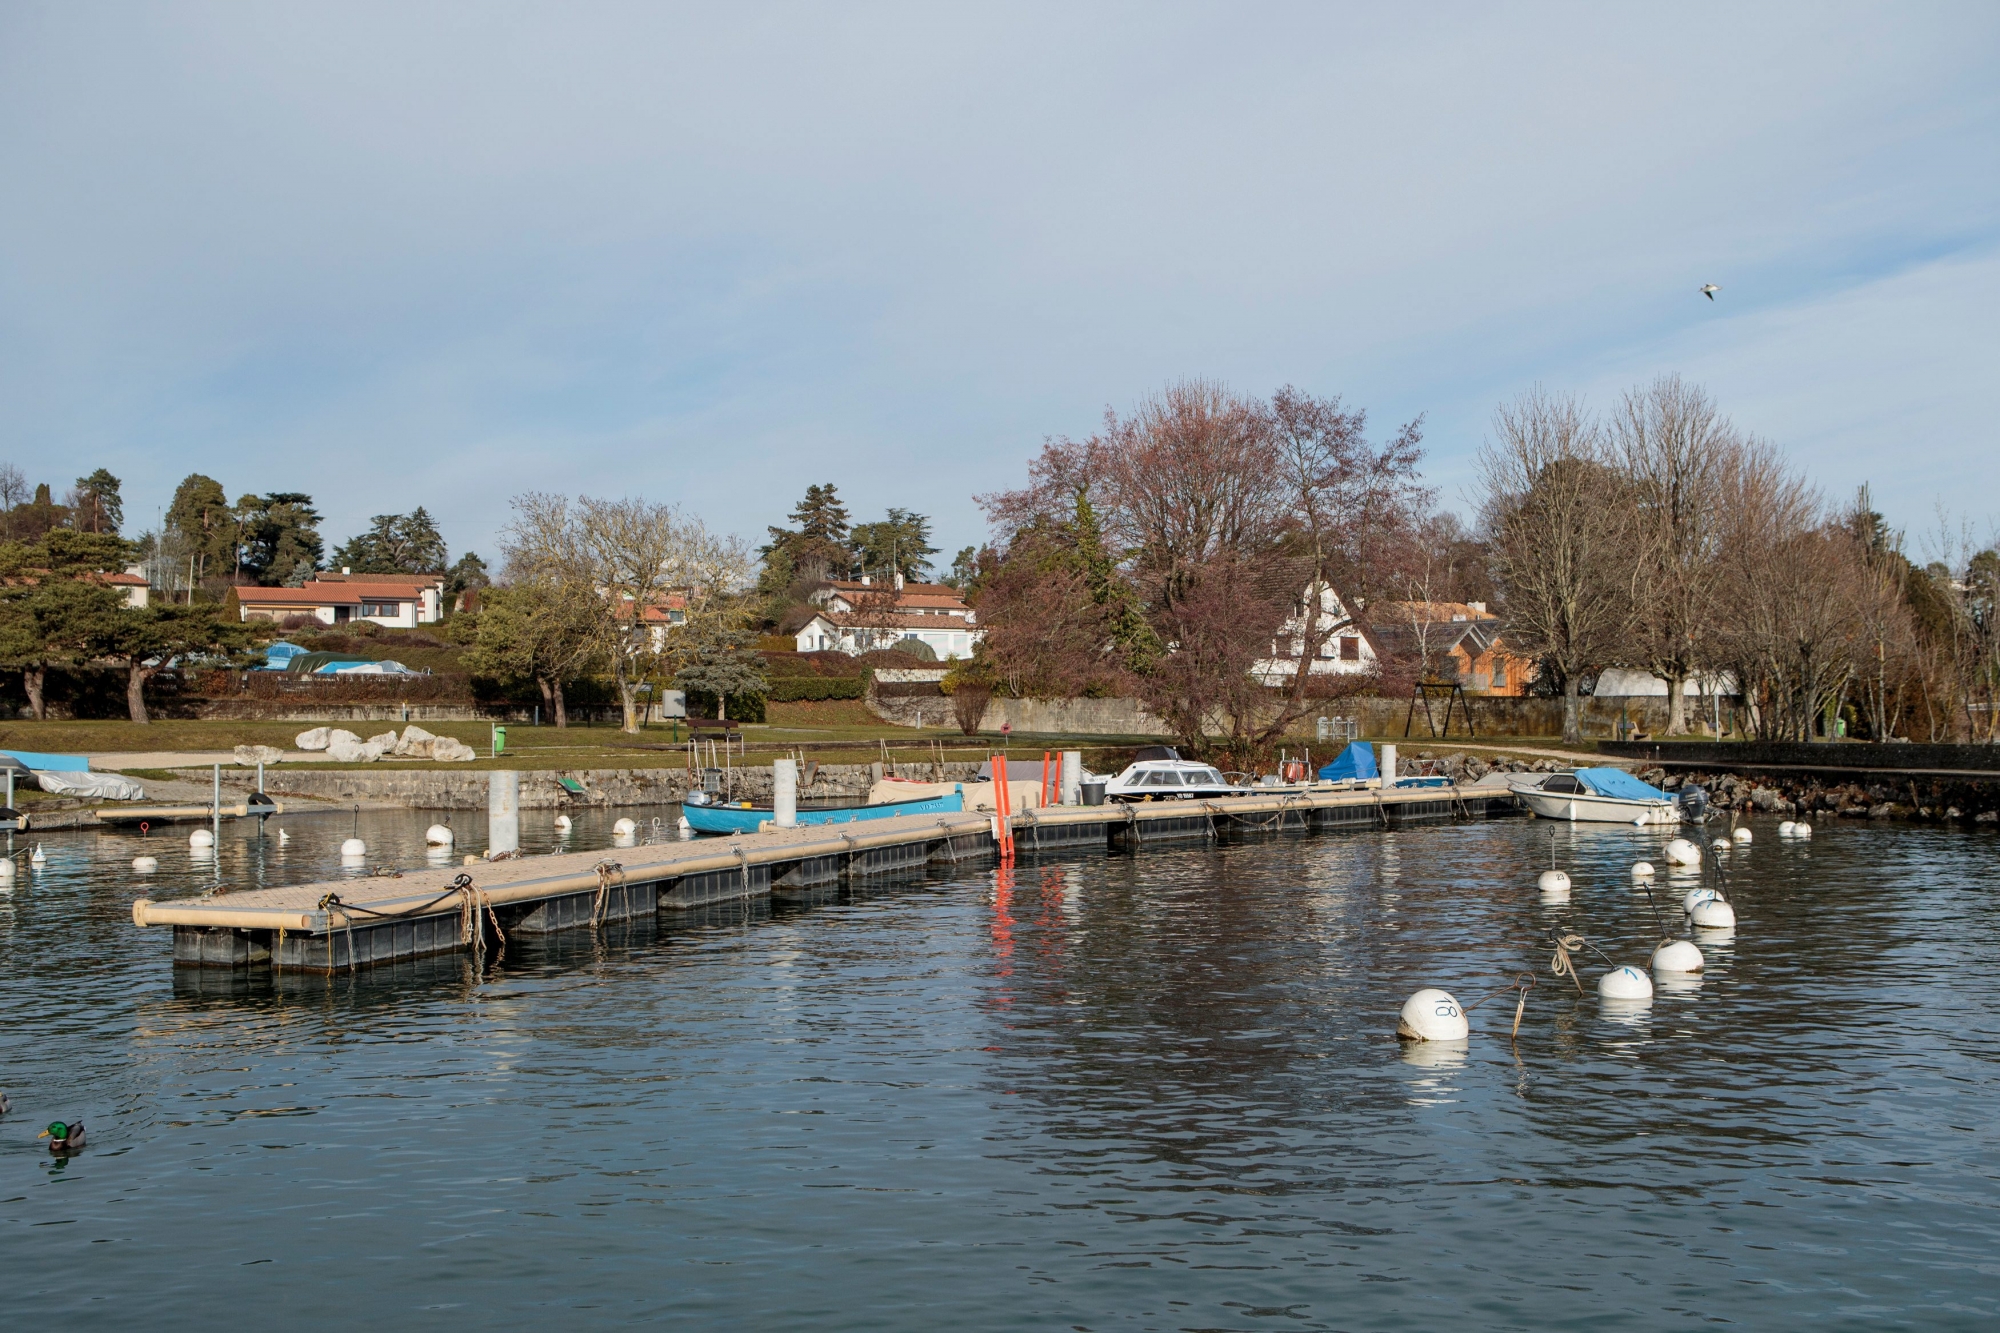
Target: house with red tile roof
{"type": "Point", "coordinates": [400, 601]}
{"type": "Point", "coordinates": [857, 615]}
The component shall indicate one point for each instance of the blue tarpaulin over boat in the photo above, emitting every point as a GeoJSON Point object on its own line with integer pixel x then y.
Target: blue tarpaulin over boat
{"type": "Point", "coordinates": [747, 818]}
{"type": "Point", "coordinates": [52, 763]}
{"type": "Point", "coordinates": [1617, 782]}
{"type": "Point", "coordinates": [1356, 762]}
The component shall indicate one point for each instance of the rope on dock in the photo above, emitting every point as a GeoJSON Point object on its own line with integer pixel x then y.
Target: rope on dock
{"type": "Point", "coordinates": [605, 870]}
{"type": "Point", "coordinates": [950, 841]}
{"type": "Point", "coordinates": [743, 864]}
{"type": "Point", "coordinates": [471, 899]}
{"type": "Point", "coordinates": [332, 900]}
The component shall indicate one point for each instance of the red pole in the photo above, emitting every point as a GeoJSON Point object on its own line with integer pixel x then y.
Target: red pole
{"type": "Point", "coordinates": [1003, 805]}
{"type": "Point", "coordinates": [1045, 777]}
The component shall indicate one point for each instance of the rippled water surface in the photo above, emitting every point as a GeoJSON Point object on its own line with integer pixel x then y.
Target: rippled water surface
{"type": "Point", "coordinates": [1099, 1092]}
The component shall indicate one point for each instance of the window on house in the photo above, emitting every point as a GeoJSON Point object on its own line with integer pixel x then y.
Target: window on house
{"type": "Point", "coordinates": [1499, 674]}
{"type": "Point", "coordinates": [1350, 649]}
{"type": "Point", "coordinates": [381, 608]}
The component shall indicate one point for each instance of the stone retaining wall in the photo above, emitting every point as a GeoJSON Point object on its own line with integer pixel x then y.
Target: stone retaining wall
{"type": "Point", "coordinates": [426, 789]}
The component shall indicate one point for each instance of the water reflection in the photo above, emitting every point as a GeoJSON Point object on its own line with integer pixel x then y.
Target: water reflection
{"type": "Point", "coordinates": [1160, 1090]}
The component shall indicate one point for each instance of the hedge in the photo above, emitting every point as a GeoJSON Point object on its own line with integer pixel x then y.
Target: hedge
{"type": "Point", "coordinates": [813, 689]}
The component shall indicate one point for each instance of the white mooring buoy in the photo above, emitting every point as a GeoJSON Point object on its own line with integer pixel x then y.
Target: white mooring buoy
{"type": "Point", "coordinates": [1642, 870]}
{"type": "Point", "coordinates": [1677, 956]}
{"type": "Point", "coordinates": [7, 872]}
{"type": "Point", "coordinates": [625, 828]}
{"type": "Point", "coordinates": [145, 865]}
{"type": "Point", "coordinates": [1553, 881]}
{"type": "Point", "coordinates": [1698, 896]}
{"type": "Point", "coordinates": [437, 835]}
{"type": "Point", "coordinates": [1802, 830]}
{"type": "Point", "coordinates": [562, 824]}
{"type": "Point", "coordinates": [1625, 983]}
{"type": "Point", "coordinates": [685, 829]}
{"type": "Point", "coordinates": [1713, 914]}
{"type": "Point", "coordinates": [1739, 835]}
{"type": "Point", "coordinates": [1432, 1015]}
{"type": "Point", "coordinates": [201, 837]}
{"type": "Point", "coordinates": [38, 856]}
{"type": "Point", "coordinates": [1681, 852]}
{"type": "Point", "coordinates": [353, 849]}
{"type": "Point", "coordinates": [1786, 828]}
{"type": "Point", "coordinates": [1719, 845]}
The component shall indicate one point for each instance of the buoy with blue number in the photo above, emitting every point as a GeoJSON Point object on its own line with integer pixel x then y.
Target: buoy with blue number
{"type": "Point", "coordinates": [1432, 1015]}
{"type": "Point", "coordinates": [1625, 982]}
{"type": "Point", "coordinates": [1642, 870]}
{"type": "Point", "coordinates": [1681, 852]}
{"type": "Point", "coordinates": [1713, 914]}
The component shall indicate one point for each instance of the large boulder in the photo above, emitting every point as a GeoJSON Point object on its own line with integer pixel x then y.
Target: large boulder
{"type": "Point", "coordinates": [416, 743]}
{"type": "Point", "coordinates": [452, 751]}
{"type": "Point", "coordinates": [344, 747]}
{"type": "Point", "coordinates": [386, 742]}
{"type": "Point", "coordinates": [316, 739]}
{"type": "Point", "coordinates": [249, 755]}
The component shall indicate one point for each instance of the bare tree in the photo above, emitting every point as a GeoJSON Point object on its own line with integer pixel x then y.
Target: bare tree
{"type": "Point", "coordinates": [1676, 450]}
{"type": "Point", "coordinates": [1556, 509]}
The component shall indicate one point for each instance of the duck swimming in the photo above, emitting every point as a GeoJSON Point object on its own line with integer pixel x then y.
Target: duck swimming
{"type": "Point", "coordinates": [63, 1138]}
{"type": "Point", "coordinates": [5, 1105]}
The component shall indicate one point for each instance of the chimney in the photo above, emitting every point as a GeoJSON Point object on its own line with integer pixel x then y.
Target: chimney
{"type": "Point", "coordinates": [865, 580]}
{"type": "Point", "coordinates": [1480, 607]}
{"type": "Point", "coordinates": [346, 570]}
{"type": "Point", "coordinates": [899, 580]}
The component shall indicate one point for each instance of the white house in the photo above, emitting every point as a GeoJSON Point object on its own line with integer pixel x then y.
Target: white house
{"type": "Point", "coordinates": [399, 601]}
{"type": "Point", "coordinates": [858, 615]}
{"type": "Point", "coordinates": [1341, 649]}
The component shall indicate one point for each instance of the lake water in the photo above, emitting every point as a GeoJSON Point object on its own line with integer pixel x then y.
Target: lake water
{"type": "Point", "coordinates": [1106, 1092]}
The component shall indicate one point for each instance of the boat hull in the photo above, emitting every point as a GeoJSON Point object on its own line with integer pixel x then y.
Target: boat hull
{"type": "Point", "coordinates": [742, 819]}
{"type": "Point", "coordinates": [1590, 808]}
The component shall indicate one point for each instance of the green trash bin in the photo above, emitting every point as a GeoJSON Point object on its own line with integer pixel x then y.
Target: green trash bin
{"type": "Point", "coordinates": [499, 741]}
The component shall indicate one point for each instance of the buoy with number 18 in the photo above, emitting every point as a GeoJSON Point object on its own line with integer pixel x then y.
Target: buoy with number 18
{"type": "Point", "coordinates": [1432, 1015]}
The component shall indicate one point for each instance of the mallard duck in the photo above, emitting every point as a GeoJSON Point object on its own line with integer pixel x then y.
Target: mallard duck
{"type": "Point", "coordinates": [62, 1137]}
{"type": "Point", "coordinates": [5, 1105]}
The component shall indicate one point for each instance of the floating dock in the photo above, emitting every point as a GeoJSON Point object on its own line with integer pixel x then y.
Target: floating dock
{"type": "Point", "coordinates": [344, 924]}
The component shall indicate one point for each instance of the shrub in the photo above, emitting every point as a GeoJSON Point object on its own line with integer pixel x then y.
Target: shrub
{"type": "Point", "coordinates": [813, 689]}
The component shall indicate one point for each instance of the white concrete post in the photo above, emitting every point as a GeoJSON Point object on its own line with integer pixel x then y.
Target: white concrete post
{"type": "Point", "coordinates": [503, 812]}
{"type": "Point", "coordinates": [1388, 766]}
{"type": "Point", "coordinates": [785, 793]}
{"type": "Point", "coordinates": [1072, 777]}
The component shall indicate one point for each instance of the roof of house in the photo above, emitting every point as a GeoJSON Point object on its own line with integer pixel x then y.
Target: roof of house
{"type": "Point", "coordinates": [887, 620]}
{"type": "Point", "coordinates": [1473, 637]}
{"type": "Point", "coordinates": [415, 580]}
{"type": "Point", "coordinates": [318, 593]}
{"type": "Point", "coordinates": [1433, 612]}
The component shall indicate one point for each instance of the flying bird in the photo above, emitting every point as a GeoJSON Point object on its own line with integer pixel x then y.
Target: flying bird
{"type": "Point", "coordinates": [1709, 290]}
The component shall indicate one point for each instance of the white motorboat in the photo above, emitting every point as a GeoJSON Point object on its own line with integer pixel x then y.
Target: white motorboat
{"type": "Point", "coordinates": [1596, 796]}
{"type": "Point", "coordinates": [1169, 780]}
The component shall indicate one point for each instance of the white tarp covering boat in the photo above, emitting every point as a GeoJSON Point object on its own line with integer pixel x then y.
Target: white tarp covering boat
{"type": "Point", "coordinates": [92, 786]}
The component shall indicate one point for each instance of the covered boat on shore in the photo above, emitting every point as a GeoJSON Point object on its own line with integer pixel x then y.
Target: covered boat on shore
{"type": "Point", "coordinates": [743, 817]}
{"type": "Point", "coordinates": [1596, 796]}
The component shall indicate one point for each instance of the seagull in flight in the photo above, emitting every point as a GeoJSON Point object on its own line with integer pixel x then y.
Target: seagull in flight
{"type": "Point", "coordinates": [1709, 290]}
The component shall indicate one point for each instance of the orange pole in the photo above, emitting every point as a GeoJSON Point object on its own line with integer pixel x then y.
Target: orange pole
{"type": "Point", "coordinates": [1003, 804]}
{"type": "Point", "coordinates": [1045, 777]}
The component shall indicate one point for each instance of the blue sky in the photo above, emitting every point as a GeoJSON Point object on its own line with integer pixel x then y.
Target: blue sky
{"type": "Point", "coordinates": [414, 254]}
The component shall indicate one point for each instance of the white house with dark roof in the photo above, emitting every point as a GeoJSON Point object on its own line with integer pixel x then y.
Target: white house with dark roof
{"type": "Point", "coordinates": [400, 601]}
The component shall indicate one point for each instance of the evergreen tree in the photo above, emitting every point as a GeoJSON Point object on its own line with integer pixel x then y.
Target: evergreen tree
{"type": "Point", "coordinates": [207, 528]}
{"type": "Point", "coordinates": [95, 505]}
{"type": "Point", "coordinates": [815, 548]}
{"type": "Point", "coordinates": [395, 544]}
{"type": "Point", "coordinates": [281, 541]}
{"type": "Point", "coordinates": [899, 544]}
{"type": "Point", "coordinates": [964, 569]}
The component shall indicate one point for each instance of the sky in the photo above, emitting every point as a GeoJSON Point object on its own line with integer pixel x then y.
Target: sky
{"type": "Point", "coordinates": [441, 254]}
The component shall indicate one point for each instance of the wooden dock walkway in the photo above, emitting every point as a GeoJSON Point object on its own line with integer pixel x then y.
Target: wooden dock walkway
{"type": "Point", "coordinates": [342, 924]}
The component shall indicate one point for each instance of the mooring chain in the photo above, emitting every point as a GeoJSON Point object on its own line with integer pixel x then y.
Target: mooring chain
{"type": "Point", "coordinates": [1523, 983]}
{"type": "Point", "coordinates": [471, 900]}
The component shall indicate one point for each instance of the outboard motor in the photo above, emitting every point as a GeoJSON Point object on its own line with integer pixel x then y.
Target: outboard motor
{"type": "Point", "coordinates": [1694, 803]}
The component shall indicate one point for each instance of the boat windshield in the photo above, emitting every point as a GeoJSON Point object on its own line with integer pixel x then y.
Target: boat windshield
{"type": "Point", "coordinates": [1562, 782]}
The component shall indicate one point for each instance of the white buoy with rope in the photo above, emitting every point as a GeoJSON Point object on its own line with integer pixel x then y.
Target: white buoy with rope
{"type": "Point", "coordinates": [1677, 956]}
{"type": "Point", "coordinates": [7, 872]}
{"type": "Point", "coordinates": [145, 865]}
{"type": "Point", "coordinates": [1553, 881]}
{"type": "Point", "coordinates": [1695, 896]}
{"type": "Point", "coordinates": [1802, 830]}
{"type": "Point", "coordinates": [1719, 845]}
{"type": "Point", "coordinates": [1432, 1015]}
{"type": "Point", "coordinates": [1642, 870]}
{"type": "Point", "coordinates": [1681, 852]}
{"type": "Point", "coordinates": [625, 828]}
{"type": "Point", "coordinates": [438, 835]}
{"type": "Point", "coordinates": [353, 849]}
{"type": "Point", "coordinates": [201, 837]}
{"type": "Point", "coordinates": [1786, 828]}
{"type": "Point", "coordinates": [562, 824]}
{"type": "Point", "coordinates": [1739, 835]}
{"type": "Point", "coordinates": [1625, 982]}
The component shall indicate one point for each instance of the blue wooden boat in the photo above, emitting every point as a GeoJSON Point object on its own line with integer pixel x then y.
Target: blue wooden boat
{"type": "Point", "coordinates": [745, 818]}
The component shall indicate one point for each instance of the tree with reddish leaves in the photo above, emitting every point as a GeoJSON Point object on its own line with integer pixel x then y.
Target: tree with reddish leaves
{"type": "Point", "coordinates": [1224, 516]}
